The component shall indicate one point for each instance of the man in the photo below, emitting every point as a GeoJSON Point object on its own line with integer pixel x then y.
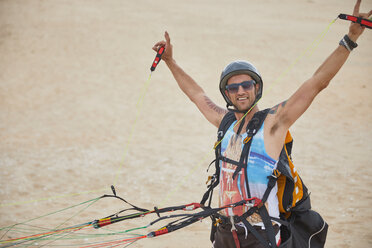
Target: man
{"type": "Point", "coordinates": [241, 86]}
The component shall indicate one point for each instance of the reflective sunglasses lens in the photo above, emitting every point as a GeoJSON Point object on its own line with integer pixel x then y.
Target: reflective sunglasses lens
{"type": "Point", "coordinates": [233, 88]}
{"type": "Point", "coordinates": [247, 85]}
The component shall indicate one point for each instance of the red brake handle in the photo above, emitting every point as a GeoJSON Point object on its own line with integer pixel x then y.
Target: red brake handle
{"type": "Point", "coordinates": [157, 58]}
{"type": "Point", "coordinates": [362, 21]}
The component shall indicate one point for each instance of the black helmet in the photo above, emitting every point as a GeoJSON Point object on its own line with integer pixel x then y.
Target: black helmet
{"type": "Point", "coordinates": [240, 67]}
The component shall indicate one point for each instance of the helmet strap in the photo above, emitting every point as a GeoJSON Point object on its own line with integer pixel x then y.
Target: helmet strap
{"type": "Point", "coordinates": [234, 109]}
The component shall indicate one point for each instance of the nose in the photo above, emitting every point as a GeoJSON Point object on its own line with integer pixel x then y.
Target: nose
{"type": "Point", "coordinates": [241, 89]}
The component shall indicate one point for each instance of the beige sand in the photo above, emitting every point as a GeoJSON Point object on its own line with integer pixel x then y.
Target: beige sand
{"type": "Point", "coordinates": [71, 76]}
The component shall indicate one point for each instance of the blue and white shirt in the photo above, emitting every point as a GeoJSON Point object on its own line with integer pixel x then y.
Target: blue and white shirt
{"type": "Point", "coordinates": [260, 166]}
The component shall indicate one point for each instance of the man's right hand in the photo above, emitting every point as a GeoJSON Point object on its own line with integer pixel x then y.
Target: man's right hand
{"type": "Point", "coordinates": [193, 91]}
{"type": "Point", "coordinates": [168, 53]}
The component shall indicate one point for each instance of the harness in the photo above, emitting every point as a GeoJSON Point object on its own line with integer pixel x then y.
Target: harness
{"type": "Point", "coordinates": [292, 194]}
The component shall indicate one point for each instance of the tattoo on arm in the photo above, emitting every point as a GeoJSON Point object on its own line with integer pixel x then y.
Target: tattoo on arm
{"type": "Point", "coordinates": [274, 109]}
{"type": "Point", "coordinates": [214, 107]}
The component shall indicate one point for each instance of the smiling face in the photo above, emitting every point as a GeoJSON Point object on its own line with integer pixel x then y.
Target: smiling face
{"type": "Point", "coordinates": [242, 99]}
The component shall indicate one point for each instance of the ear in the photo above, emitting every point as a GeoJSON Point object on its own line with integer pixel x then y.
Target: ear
{"type": "Point", "coordinates": [256, 88]}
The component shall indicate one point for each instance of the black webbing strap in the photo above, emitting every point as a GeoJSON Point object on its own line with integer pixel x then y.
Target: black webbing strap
{"type": "Point", "coordinates": [213, 228]}
{"type": "Point", "coordinates": [256, 122]}
{"type": "Point", "coordinates": [230, 161]}
{"type": "Point", "coordinates": [270, 185]}
{"type": "Point", "coordinates": [241, 125]}
{"type": "Point", "coordinates": [268, 225]}
{"type": "Point", "coordinates": [133, 206]}
{"type": "Point", "coordinates": [266, 219]}
{"type": "Point", "coordinates": [255, 233]}
{"type": "Point", "coordinates": [262, 211]}
{"type": "Point", "coordinates": [227, 120]}
{"type": "Point", "coordinates": [209, 192]}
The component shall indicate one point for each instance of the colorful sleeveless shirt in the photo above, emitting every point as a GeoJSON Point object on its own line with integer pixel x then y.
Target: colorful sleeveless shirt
{"type": "Point", "coordinates": [260, 166]}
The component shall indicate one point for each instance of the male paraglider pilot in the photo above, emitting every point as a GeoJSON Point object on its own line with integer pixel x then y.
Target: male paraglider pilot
{"type": "Point", "coordinates": [247, 160]}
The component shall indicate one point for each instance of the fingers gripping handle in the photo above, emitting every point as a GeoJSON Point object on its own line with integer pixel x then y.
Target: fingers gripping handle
{"type": "Point", "coordinates": [362, 21]}
{"type": "Point", "coordinates": [157, 58]}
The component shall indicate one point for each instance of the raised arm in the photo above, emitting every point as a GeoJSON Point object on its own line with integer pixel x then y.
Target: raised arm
{"type": "Point", "coordinates": [287, 113]}
{"type": "Point", "coordinates": [196, 94]}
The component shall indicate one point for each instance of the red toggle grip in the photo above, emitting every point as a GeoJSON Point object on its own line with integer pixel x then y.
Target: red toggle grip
{"type": "Point", "coordinates": [157, 233]}
{"type": "Point", "coordinates": [257, 201]}
{"type": "Point", "coordinates": [362, 21]}
{"type": "Point", "coordinates": [102, 222]}
{"type": "Point", "coordinates": [157, 58]}
{"type": "Point", "coordinates": [191, 206]}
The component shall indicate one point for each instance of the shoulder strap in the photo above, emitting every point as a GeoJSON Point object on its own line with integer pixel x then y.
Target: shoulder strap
{"type": "Point", "coordinates": [226, 122]}
{"type": "Point", "coordinates": [252, 127]}
{"type": "Point", "coordinates": [256, 122]}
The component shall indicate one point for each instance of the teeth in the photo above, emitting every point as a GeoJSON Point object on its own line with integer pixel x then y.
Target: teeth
{"type": "Point", "coordinates": [242, 98]}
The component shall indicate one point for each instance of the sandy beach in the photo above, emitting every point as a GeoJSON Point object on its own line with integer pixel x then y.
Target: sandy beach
{"type": "Point", "coordinates": [79, 111]}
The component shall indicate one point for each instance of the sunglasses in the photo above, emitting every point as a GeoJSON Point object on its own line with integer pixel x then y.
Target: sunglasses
{"type": "Point", "coordinates": [234, 88]}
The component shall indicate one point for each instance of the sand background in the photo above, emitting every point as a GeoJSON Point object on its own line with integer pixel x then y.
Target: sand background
{"type": "Point", "coordinates": [76, 116]}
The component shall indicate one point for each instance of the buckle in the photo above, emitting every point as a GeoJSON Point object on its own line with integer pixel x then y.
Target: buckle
{"type": "Point", "coordinates": [218, 221]}
{"type": "Point", "coordinates": [209, 178]}
{"type": "Point", "coordinates": [216, 144]}
{"type": "Point", "coordinates": [257, 202]}
{"type": "Point", "coordinates": [247, 139]}
{"type": "Point", "coordinates": [276, 173]}
{"type": "Point", "coordinates": [232, 221]}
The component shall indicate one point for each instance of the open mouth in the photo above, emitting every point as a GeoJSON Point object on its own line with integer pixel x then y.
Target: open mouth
{"type": "Point", "coordinates": [242, 98]}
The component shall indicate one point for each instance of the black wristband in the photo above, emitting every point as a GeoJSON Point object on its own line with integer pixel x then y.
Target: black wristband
{"type": "Point", "coordinates": [344, 44]}
{"type": "Point", "coordinates": [349, 42]}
